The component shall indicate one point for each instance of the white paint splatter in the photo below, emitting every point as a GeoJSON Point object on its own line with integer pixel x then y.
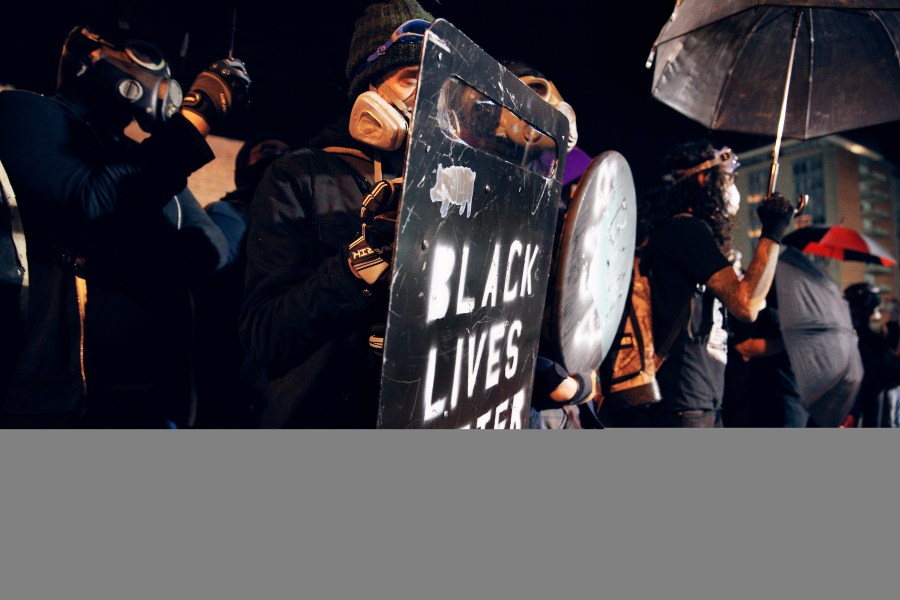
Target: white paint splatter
{"type": "Point", "coordinates": [454, 185]}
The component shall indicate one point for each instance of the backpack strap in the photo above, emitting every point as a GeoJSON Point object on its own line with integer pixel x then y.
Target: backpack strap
{"type": "Point", "coordinates": [662, 352]}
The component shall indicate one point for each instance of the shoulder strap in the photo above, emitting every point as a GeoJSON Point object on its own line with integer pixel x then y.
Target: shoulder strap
{"type": "Point", "coordinates": [663, 351]}
{"type": "Point", "coordinates": [356, 159]}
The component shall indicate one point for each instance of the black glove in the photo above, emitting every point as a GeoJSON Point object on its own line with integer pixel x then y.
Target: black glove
{"type": "Point", "coordinates": [775, 214]}
{"type": "Point", "coordinates": [369, 256]}
{"type": "Point", "coordinates": [384, 198]}
{"type": "Point", "coordinates": [548, 375]}
{"type": "Point", "coordinates": [219, 90]}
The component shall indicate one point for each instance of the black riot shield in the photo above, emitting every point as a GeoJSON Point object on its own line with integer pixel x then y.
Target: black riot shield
{"type": "Point", "coordinates": [474, 243]}
{"type": "Point", "coordinates": [596, 256]}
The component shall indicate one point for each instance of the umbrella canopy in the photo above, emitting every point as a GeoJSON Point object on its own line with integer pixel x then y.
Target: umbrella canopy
{"type": "Point", "coordinates": [841, 243]}
{"type": "Point", "coordinates": [819, 338]}
{"type": "Point", "coordinates": [724, 64]}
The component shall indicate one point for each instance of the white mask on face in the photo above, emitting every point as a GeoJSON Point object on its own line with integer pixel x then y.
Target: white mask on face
{"type": "Point", "coordinates": [732, 200]}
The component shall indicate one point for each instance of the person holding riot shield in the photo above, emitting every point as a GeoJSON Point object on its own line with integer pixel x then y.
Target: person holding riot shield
{"type": "Point", "coordinates": [322, 228]}
{"type": "Point", "coordinates": [554, 388]}
{"type": "Point", "coordinates": [687, 223]}
{"type": "Point", "coordinates": [109, 219]}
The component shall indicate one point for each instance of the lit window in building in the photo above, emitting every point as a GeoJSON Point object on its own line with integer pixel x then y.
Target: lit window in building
{"type": "Point", "coordinates": [810, 179]}
{"type": "Point", "coordinates": [757, 186]}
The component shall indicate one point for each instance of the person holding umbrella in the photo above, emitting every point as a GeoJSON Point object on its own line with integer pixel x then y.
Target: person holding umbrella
{"type": "Point", "coordinates": [687, 223]}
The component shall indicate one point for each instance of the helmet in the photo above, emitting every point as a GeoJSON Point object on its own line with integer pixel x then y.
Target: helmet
{"type": "Point", "coordinates": [119, 83]}
{"type": "Point", "coordinates": [863, 297]}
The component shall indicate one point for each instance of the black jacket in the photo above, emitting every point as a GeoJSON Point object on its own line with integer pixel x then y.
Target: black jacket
{"type": "Point", "coordinates": [94, 194]}
{"type": "Point", "coordinates": [305, 317]}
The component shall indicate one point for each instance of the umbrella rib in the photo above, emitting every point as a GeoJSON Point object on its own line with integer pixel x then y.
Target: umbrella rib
{"type": "Point", "coordinates": [737, 56]}
{"type": "Point", "coordinates": [809, 92]}
{"type": "Point", "coordinates": [887, 32]}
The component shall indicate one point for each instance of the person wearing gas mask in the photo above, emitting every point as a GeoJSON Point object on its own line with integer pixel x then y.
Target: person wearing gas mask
{"type": "Point", "coordinates": [555, 391]}
{"type": "Point", "coordinates": [322, 227]}
{"type": "Point", "coordinates": [687, 223]}
{"type": "Point", "coordinates": [113, 235]}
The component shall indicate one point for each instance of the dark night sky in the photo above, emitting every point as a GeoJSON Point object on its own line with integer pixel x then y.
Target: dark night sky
{"type": "Point", "coordinates": [595, 53]}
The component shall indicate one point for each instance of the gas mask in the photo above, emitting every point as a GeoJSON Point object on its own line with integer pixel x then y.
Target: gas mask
{"type": "Point", "coordinates": [134, 80]}
{"type": "Point", "coordinates": [380, 123]}
{"type": "Point", "coordinates": [546, 90]}
{"type": "Point", "coordinates": [374, 122]}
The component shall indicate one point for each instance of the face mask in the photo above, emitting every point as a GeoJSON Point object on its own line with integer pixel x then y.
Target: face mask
{"type": "Point", "coordinates": [732, 200]}
{"type": "Point", "coordinates": [547, 91]}
{"type": "Point", "coordinates": [133, 81]}
{"type": "Point", "coordinates": [381, 122]}
{"type": "Point", "coordinates": [375, 122]}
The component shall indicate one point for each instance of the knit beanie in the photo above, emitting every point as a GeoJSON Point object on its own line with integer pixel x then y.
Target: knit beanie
{"type": "Point", "coordinates": [373, 29]}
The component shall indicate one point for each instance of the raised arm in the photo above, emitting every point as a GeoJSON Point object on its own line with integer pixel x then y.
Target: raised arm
{"type": "Point", "coordinates": [744, 298]}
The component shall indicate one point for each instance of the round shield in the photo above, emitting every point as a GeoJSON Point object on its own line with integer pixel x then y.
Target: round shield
{"type": "Point", "coordinates": [596, 256]}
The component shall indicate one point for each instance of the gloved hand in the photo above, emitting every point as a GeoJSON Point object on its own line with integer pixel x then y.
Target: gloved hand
{"type": "Point", "coordinates": [554, 387]}
{"type": "Point", "coordinates": [384, 197]}
{"type": "Point", "coordinates": [219, 90]}
{"type": "Point", "coordinates": [775, 214]}
{"type": "Point", "coordinates": [369, 256]}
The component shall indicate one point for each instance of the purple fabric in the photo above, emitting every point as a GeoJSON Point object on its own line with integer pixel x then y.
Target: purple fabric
{"type": "Point", "coordinates": [577, 162]}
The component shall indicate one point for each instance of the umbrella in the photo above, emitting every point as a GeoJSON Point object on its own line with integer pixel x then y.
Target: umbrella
{"type": "Point", "coordinates": [841, 243]}
{"type": "Point", "coordinates": [800, 68]}
{"type": "Point", "coordinates": [819, 338]}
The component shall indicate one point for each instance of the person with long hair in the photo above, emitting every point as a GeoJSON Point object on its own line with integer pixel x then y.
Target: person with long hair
{"type": "Point", "coordinates": [686, 229]}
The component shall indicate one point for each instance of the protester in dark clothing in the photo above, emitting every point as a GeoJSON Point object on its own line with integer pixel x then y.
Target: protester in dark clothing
{"type": "Point", "coordinates": [96, 204]}
{"type": "Point", "coordinates": [688, 224]}
{"type": "Point", "coordinates": [230, 386]}
{"type": "Point", "coordinates": [881, 364]}
{"type": "Point", "coordinates": [312, 303]}
{"type": "Point", "coordinates": [760, 386]}
{"type": "Point", "coordinates": [772, 397]}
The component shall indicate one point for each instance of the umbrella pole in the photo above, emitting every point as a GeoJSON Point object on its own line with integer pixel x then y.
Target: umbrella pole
{"type": "Point", "coordinates": [787, 86]}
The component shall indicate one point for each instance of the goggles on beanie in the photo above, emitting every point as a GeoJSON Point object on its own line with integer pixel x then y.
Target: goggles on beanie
{"type": "Point", "coordinates": [410, 32]}
{"type": "Point", "coordinates": [725, 159]}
